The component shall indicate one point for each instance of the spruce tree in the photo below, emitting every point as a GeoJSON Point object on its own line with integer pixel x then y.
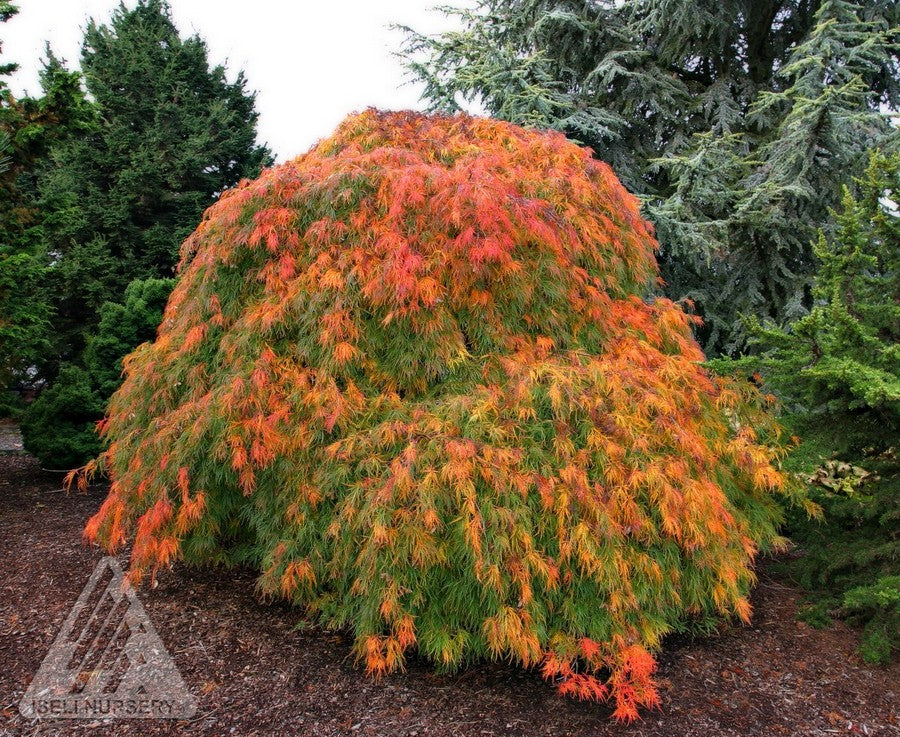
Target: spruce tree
{"type": "Point", "coordinates": [837, 370]}
{"type": "Point", "coordinates": [735, 121]}
{"type": "Point", "coordinates": [842, 359]}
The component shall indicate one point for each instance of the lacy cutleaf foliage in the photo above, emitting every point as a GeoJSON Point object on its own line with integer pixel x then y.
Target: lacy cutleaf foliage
{"type": "Point", "coordinates": [407, 376]}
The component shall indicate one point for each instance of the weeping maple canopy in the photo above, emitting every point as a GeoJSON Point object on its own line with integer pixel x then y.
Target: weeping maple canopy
{"type": "Point", "coordinates": [408, 375]}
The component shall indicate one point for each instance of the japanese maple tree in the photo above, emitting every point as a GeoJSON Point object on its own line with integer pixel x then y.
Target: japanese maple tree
{"type": "Point", "coordinates": [410, 376]}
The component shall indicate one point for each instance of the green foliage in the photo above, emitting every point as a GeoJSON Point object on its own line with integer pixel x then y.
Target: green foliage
{"type": "Point", "coordinates": [878, 607]}
{"type": "Point", "coordinates": [843, 358]}
{"type": "Point", "coordinates": [24, 319]}
{"type": "Point", "coordinates": [172, 133]}
{"type": "Point", "coordinates": [850, 558]}
{"type": "Point", "coordinates": [7, 11]}
{"type": "Point", "coordinates": [29, 127]}
{"type": "Point", "coordinates": [169, 134]}
{"type": "Point", "coordinates": [731, 119]}
{"type": "Point", "coordinates": [837, 369]}
{"type": "Point", "coordinates": [59, 427]}
{"type": "Point", "coordinates": [122, 328]}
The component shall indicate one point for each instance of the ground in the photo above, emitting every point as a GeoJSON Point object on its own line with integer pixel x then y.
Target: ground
{"type": "Point", "coordinates": [255, 673]}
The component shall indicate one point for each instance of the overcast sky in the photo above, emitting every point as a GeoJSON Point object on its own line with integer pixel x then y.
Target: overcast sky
{"type": "Point", "coordinates": [311, 62]}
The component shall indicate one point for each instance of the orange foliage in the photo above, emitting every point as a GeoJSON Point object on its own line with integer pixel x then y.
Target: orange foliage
{"type": "Point", "coordinates": [411, 376]}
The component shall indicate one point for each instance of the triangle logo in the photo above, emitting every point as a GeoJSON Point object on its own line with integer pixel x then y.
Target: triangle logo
{"type": "Point", "coordinates": [107, 660]}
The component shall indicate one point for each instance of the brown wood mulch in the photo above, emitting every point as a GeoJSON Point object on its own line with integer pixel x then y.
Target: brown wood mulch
{"type": "Point", "coordinates": [255, 673]}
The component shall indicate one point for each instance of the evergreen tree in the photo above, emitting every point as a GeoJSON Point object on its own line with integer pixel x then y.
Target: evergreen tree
{"type": "Point", "coordinates": [60, 425]}
{"type": "Point", "coordinates": [29, 127]}
{"type": "Point", "coordinates": [734, 120]}
{"type": "Point", "coordinates": [173, 133]}
{"type": "Point", "coordinates": [837, 370]}
{"type": "Point", "coordinates": [843, 358]}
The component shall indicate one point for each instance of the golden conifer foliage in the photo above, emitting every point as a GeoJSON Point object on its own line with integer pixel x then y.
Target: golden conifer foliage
{"type": "Point", "coordinates": [408, 375]}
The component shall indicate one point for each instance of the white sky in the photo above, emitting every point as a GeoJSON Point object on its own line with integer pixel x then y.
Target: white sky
{"type": "Point", "coordinates": [311, 62]}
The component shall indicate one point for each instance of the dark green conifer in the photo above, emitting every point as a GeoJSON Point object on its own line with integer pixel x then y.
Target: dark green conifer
{"type": "Point", "coordinates": [171, 133]}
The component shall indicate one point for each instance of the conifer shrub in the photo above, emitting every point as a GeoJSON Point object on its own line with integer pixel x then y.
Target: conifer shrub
{"type": "Point", "coordinates": [838, 370]}
{"type": "Point", "coordinates": [842, 359]}
{"type": "Point", "coordinates": [59, 427]}
{"type": "Point", "coordinates": [410, 377]}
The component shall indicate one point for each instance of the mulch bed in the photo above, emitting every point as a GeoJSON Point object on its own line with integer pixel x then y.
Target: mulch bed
{"type": "Point", "coordinates": [255, 673]}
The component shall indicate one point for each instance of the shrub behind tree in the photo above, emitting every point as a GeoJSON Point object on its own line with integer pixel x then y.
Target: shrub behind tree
{"type": "Point", "coordinates": [60, 425]}
{"type": "Point", "coordinates": [838, 372]}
